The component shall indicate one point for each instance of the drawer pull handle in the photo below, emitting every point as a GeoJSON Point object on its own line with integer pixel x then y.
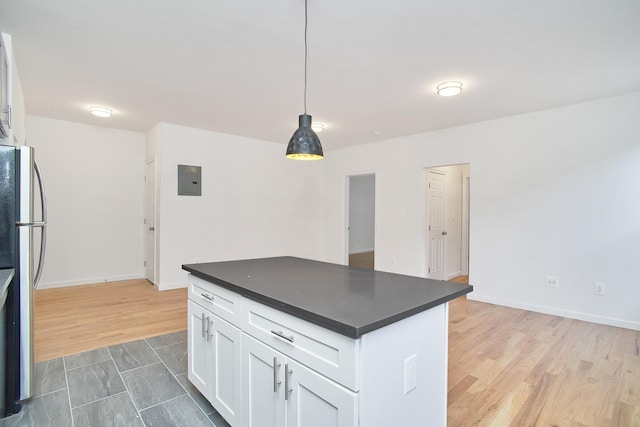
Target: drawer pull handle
{"type": "Point", "coordinates": [276, 383]}
{"type": "Point", "coordinates": [282, 335]}
{"type": "Point", "coordinates": [287, 372]}
{"type": "Point", "coordinates": [207, 296]}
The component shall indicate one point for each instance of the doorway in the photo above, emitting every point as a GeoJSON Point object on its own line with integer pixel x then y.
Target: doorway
{"type": "Point", "coordinates": [361, 218]}
{"type": "Point", "coordinates": [150, 221]}
{"type": "Point", "coordinates": [448, 195]}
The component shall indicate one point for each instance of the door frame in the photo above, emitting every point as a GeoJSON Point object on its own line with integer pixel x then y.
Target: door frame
{"type": "Point", "coordinates": [155, 220]}
{"type": "Point", "coordinates": [345, 218]}
{"type": "Point", "coordinates": [465, 217]}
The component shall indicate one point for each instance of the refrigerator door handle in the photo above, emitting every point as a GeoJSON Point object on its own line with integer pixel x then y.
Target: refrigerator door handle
{"type": "Point", "coordinates": [31, 224]}
{"type": "Point", "coordinates": [43, 224]}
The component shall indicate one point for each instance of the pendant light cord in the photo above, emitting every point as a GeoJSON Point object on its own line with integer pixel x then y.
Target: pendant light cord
{"type": "Point", "coordinates": [305, 56]}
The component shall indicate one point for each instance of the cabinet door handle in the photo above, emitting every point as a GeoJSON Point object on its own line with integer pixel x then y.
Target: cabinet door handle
{"type": "Point", "coordinates": [203, 321]}
{"type": "Point", "coordinates": [287, 372]}
{"type": "Point", "coordinates": [209, 325]}
{"type": "Point", "coordinates": [282, 335]}
{"type": "Point", "coordinates": [276, 383]}
{"type": "Point", "coordinates": [207, 296]}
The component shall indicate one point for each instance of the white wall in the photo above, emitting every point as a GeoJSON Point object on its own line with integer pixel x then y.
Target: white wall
{"type": "Point", "coordinates": [94, 182]}
{"type": "Point", "coordinates": [362, 209]}
{"type": "Point", "coordinates": [552, 193]}
{"type": "Point", "coordinates": [254, 203]}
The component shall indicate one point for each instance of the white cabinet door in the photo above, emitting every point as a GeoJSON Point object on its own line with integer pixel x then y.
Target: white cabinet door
{"type": "Point", "coordinates": [315, 401]}
{"type": "Point", "coordinates": [226, 363]}
{"type": "Point", "coordinates": [262, 385]}
{"type": "Point", "coordinates": [200, 349]}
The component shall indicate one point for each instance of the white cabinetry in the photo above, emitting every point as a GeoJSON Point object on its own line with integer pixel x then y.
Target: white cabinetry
{"type": "Point", "coordinates": [329, 353]}
{"type": "Point", "coordinates": [214, 359]}
{"type": "Point", "coordinates": [5, 93]}
{"type": "Point", "coordinates": [12, 108]}
{"type": "Point", "coordinates": [279, 391]}
{"type": "Point", "coordinates": [261, 367]}
{"type": "Point", "coordinates": [227, 379]}
{"type": "Point", "coordinates": [262, 391]}
{"type": "Point", "coordinates": [199, 350]}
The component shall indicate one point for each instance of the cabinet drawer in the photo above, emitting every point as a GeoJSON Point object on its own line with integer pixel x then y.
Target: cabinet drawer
{"type": "Point", "coordinates": [327, 352]}
{"type": "Point", "coordinates": [219, 301]}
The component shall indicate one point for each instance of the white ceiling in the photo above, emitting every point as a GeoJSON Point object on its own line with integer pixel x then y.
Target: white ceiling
{"type": "Point", "coordinates": [237, 66]}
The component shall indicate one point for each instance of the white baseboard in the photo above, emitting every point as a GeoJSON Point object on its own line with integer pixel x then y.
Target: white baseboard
{"type": "Point", "coordinates": [603, 320]}
{"type": "Point", "coordinates": [167, 286]}
{"type": "Point", "coordinates": [96, 280]}
{"type": "Point", "coordinates": [88, 281]}
{"type": "Point", "coordinates": [452, 275]}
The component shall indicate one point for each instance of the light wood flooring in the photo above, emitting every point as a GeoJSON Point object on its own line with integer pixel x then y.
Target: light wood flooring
{"type": "Point", "coordinates": [511, 367]}
{"type": "Point", "coordinates": [80, 318]}
{"type": "Point", "coordinates": [362, 260]}
{"type": "Point", "coordinates": [507, 367]}
{"type": "Point", "coordinates": [460, 279]}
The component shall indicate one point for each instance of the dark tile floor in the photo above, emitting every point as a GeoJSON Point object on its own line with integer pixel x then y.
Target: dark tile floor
{"type": "Point", "coordinates": [140, 383]}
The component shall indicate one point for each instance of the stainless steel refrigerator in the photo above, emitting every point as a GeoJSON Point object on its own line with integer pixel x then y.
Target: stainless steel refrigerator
{"type": "Point", "coordinates": [20, 179]}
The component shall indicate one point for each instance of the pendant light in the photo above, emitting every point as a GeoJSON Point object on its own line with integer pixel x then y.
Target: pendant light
{"type": "Point", "coordinates": [304, 144]}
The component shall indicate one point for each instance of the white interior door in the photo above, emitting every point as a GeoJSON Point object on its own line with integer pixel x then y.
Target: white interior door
{"type": "Point", "coordinates": [435, 224]}
{"type": "Point", "coordinates": [150, 220]}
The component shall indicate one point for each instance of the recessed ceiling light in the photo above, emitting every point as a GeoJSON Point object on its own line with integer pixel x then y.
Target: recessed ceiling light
{"type": "Point", "coordinates": [317, 127]}
{"type": "Point", "coordinates": [452, 88]}
{"type": "Point", "coordinates": [100, 111]}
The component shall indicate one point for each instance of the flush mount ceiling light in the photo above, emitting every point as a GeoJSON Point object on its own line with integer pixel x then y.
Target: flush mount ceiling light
{"type": "Point", "coordinates": [449, 88]}
{"type": "Point", "coordinates": [317, 127]}
{"type": "Point", "coordinates": [305, 144]}
{"type": "Point", "coordinates": [100, 111]}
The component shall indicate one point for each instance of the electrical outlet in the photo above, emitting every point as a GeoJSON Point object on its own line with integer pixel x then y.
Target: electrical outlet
{"type": "Point", "coordinates": [552, 282]}
{"type": "Point", "coordinates": [599, 288]}
{"type": "Point", "coordinates": [394, 261]}
{"type": "Point", "coordinates": [410, 373]}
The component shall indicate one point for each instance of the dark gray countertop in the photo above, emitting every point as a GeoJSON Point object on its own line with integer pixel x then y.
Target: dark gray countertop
{"type": "Point", "coordinates": [351, 301]}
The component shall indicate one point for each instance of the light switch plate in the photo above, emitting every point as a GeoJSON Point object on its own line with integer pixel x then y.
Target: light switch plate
{"type": "Point", "coordinates": [409, 373]}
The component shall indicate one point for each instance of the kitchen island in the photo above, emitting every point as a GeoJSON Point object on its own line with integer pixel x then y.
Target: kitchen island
{"type": "Point", "coordinates": [289, 341]}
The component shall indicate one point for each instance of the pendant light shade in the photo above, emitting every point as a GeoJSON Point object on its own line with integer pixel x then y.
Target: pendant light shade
{"type": "Point", "coordinates": [304, 144]}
